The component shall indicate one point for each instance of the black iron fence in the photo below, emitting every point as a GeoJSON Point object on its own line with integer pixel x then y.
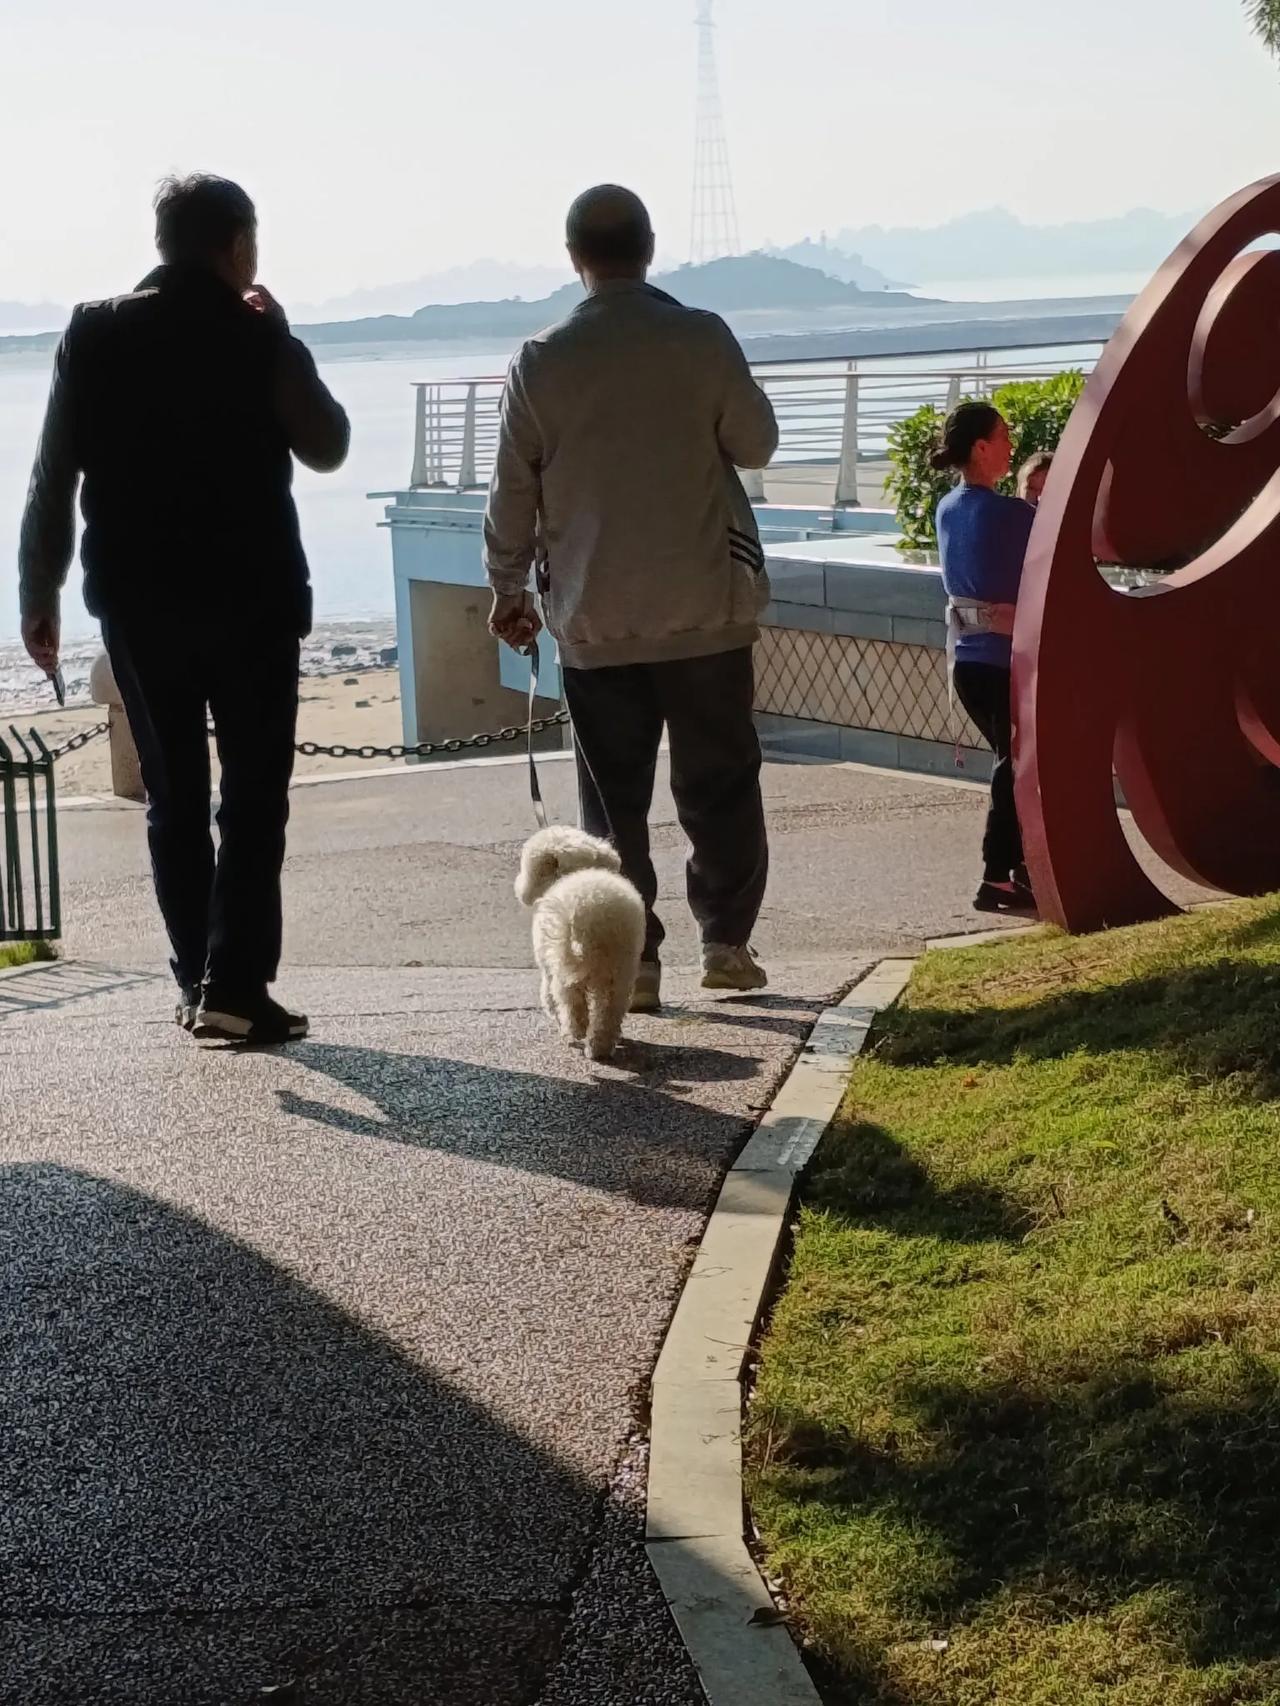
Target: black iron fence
{"type": "Point", "coordinates": [30, 896]}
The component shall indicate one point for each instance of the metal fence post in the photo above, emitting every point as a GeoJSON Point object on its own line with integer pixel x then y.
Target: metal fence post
{"type": "Point", "coordinates": [847, 474]}
{"type": "Point", "coordinates": [11, 894]}
{"type": "Point", "coordinates": [467, 471]}
{"type": "Point", "coordinates": [51, 811]}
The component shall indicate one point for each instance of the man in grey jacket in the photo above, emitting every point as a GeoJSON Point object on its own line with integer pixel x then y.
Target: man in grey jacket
{"type": "Point", "coordinates": [622, 428]}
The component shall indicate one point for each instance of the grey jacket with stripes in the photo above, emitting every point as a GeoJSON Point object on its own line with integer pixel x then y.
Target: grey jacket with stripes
{"type": "Point", "coordinates": [622, 429]}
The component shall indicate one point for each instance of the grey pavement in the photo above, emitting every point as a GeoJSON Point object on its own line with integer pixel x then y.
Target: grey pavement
{"type": "Point", "coordinates": [418, 866]}
{"type": "Point", "coordinates": [324, 1369]}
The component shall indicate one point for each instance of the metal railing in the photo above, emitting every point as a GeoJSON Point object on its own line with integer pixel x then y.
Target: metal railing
{"type": "Point", "coordinates": [834, 417]}
{"type": "Point", "coordinates": [30, 891]}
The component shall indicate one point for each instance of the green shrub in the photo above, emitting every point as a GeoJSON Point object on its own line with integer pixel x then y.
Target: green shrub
{"type": "Point", "coordinates": [1037, 411]}
{"type": "Point", "coordinates": [915, 488]}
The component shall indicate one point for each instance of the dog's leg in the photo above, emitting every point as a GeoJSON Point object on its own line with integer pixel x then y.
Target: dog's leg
{"type": "Point", "coordinates": [608, 1003]}
{"type": "Point", "coordinates": [548, 1001]}
{"type": "Point", "coordinates": [575, 1020]}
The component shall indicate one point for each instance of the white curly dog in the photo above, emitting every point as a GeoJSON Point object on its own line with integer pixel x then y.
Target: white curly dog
{"type": "Point", "coordinates": [588, 934]}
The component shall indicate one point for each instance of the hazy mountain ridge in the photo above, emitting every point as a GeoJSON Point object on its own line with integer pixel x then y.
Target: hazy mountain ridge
{"type": "Point", "coordinates": [477, 281]}
{"type": "Point", "coordinates": [32, 317]}
{"type": "Point", "coordinates": [994, 243]}
{"type": "Point", "coordinates": [836, 262]}
{"type": "Point", "coordinates": [990, 243]}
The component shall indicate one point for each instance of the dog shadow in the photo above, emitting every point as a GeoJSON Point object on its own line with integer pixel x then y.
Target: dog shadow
{"type": "Point", "coordinates": [671, 1065]}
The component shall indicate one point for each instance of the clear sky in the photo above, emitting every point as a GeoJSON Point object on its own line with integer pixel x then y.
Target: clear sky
{"type": "Point", "coordinates": [387, 139]}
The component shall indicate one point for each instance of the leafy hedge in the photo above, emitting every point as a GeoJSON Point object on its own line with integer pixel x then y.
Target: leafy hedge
{"type": "Point", "coordinates": [1037, 411]}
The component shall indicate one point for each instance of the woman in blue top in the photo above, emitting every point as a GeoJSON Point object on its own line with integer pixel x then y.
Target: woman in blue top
{"type": "Point", "coordinates": [982, 538]}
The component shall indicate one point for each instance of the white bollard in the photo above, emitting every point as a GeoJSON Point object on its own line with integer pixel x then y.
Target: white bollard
{"type": "Point", "coordinates": [126, 770]}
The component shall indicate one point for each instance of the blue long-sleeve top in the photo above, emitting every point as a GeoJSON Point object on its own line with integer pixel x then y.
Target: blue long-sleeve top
{"type": "Point", "coordinates": [982, 539]}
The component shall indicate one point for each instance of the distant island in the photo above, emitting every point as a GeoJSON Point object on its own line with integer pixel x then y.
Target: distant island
{"type": "Point", "coordinates": [735, 284]}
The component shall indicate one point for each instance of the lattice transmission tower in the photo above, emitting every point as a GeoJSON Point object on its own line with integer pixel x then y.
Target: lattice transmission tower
{"type": "Point", "coordinates": [714, 225]}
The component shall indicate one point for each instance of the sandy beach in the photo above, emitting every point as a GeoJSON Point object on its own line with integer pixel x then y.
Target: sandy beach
{"type": "Point", "coordinates": [360, 709]}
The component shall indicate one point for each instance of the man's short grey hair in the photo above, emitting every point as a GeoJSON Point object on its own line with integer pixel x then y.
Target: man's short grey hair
{"type": "Point", "coordinates": [199, 217]}
{"type": "Point", "coordinates": [610, 226]}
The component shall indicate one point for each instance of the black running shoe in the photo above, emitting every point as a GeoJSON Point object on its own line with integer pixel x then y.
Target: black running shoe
{"type": "Point", "coordinates": [259, 1021]}
{"type": "Point", "coordinates": [1010, 898]}
{"type": "Point", "coordinates": [188, 1007]}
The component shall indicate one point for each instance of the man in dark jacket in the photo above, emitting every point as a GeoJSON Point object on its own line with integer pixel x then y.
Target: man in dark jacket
{"type": "Point", "coordinates": [182, 406]}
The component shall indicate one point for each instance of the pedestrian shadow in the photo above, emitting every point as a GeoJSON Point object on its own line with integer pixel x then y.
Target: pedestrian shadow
{"type": "Point", "coordinates": [218, 1485]}
{"type": "Point", "coordinates": [1214, 1022]}
{"type": "Point", "coordinates": [61, 983]}
{"type": "Point", "coordinates": [608, 1133]}
{"type": "Point", "coordinates": [867, 1178]}
{"type": "Point", "coordinates": [1125, 1514]}
{"type": "Point", "coordinates": [752, 1013]}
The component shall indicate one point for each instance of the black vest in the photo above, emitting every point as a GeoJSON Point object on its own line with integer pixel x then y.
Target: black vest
{"type": "Point", "coordinates": [187, 499]}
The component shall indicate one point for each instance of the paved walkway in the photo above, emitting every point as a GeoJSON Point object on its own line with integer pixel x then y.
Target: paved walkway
{"type": "Point", "coordinates": [323, 1370]}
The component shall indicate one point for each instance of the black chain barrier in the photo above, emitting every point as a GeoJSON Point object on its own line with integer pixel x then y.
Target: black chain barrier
{"type": "Point", "coordinates": [78, 740]}
{"type": "Point", "coordinates": [431, 748]}
{"type": "Point", "coordinates": [424, 748]}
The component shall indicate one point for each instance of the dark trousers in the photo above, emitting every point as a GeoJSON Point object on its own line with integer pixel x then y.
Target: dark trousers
{"type": "Point", "coordinates": [985, 692]}
{"type": "Point", "coordinates": [706, 704]}
{"type": "Point", "coordinates": [222, 912]}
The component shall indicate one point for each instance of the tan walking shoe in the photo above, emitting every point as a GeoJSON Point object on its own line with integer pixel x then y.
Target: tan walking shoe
{"type": "Point", "coordinates": [724, 967]}
{"type": "Point", "coordinates": [646, 996]}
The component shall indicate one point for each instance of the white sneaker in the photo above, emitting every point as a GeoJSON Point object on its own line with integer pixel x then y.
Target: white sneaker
{"type": "Point", "coordinates": [646, 996]}
{"type": "Point", "coordinates": [724, 967]}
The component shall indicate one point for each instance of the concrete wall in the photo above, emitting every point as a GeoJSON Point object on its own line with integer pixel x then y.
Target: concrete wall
{"type": "Point", "coordinates": [455, 679]}
{"type": "Point", "coordinates": [851, 664]}
{"type": "Point", "coordinates": [852, 661]}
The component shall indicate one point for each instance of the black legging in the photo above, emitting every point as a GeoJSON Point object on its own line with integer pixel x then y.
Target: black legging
{"type": "Point", "coordinates": [984, 691]}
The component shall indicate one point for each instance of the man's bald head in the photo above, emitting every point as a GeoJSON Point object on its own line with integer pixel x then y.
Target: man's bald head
{"type": "Point", "coordinates": [609, 233]}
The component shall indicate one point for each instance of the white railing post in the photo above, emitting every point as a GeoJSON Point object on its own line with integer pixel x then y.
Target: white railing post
{"type": "Point", "coordinates": [435, 438]}
{"type": "Point", "coordinates": [753, 483]}
{"type": "Point", "coordinates": [467, 470]}
{"type": "Point", "coordinates": [953, 392]}
{"type": "Point", "coordinates": [847, 474]}
{"type": "Point", "coordinates": [419, 474]}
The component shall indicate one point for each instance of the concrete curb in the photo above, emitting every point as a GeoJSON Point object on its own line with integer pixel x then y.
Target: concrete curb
{"type": "Point", "coordinates": [695, 1529]}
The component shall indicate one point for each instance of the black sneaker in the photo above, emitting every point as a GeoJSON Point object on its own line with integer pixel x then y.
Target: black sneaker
{"type": "Point", "coordinates": [259, 1021]}
{"type": "Point", "coordinates": [188, 1007]}
{"type": "Point", "coordinates": [1010, 897]}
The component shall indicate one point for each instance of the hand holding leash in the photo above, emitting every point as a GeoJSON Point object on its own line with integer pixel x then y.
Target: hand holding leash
{"type": "Point", "coordinates": [514, 620]}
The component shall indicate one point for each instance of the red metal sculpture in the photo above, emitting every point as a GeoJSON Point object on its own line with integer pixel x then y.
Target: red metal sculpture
{"type": "Point", "coordinates": [1171, 457]}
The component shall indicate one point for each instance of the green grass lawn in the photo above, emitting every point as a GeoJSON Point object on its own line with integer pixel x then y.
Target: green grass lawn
{"type": "Point", "coordinates": [24, 953]}
{"type": "Point", "coordinates": [1016, 1436]}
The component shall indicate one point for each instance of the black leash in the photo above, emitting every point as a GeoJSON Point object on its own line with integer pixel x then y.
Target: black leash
{"type": "Point", "coordinates": [535, 786]}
